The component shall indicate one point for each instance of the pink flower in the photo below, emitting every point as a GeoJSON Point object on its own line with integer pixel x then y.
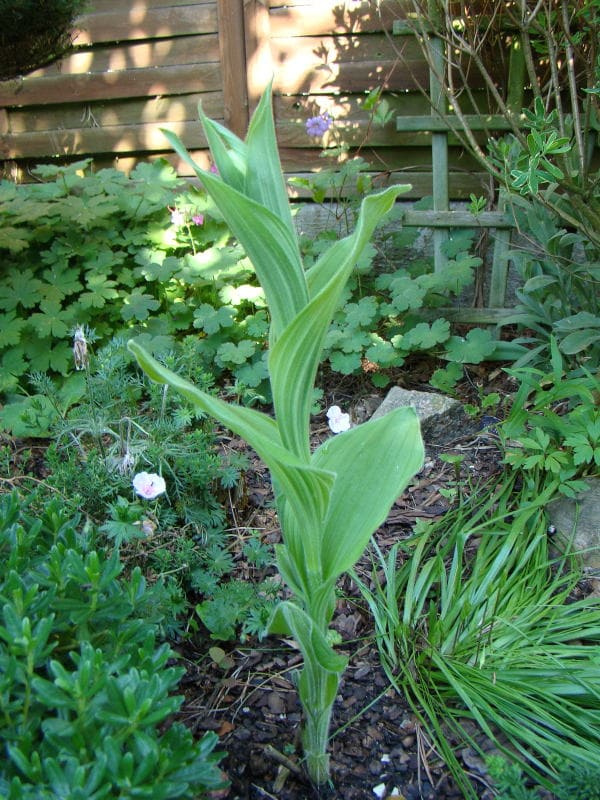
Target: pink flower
{"type": "Point", "coordinates": [198, 219]}
{"type": "Point", "coordinates": [148, 485]}
{"type": "Point", "coordinates": [338, 421]}
{"type": "Point", "coordinates": [317, 126]}
{"type": "Point", "coordinates": [213, 169]}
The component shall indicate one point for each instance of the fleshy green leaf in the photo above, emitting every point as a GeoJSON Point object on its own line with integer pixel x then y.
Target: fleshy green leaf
{"type": "Point", "coordinates": [373, 464]}
{"type": "Point", "coordinates": [264, 177]}
{"type": "Point", "coordinates": [295, 356]}
{"type": "Point", "coordinates": [288, 617]}
{"type": "Point", "coordinates": [305, 487]}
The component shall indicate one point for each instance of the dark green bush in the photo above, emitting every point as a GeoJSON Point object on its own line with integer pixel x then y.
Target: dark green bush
{"type": "Point", "coordinates": [85, 688]}
{"type": "Point", "coordinates": [34, 33]}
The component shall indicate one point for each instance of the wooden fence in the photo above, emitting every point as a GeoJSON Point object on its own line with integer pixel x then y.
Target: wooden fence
{"type": "Point", "coordinates": [142, 66]}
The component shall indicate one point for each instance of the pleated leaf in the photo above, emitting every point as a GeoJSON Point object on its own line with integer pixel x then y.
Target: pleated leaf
{"type": "Point", "coordinates": [372, 209]}
{"type": "Point", "coordinates": [295, 357]}
{"type": "Point", "coordinates": [271, 247]}
{"type": "Point", "coordinates": [264, 179]}
{"type": "Point", "coordinates": [373, 464]}
{"type": "Point", "coordinates": [288, 617]}
{"type": "Point", "coordinates": [306, 488]}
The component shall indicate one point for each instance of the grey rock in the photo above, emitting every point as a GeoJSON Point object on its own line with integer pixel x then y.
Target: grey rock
{"type": "Point", "coordinates": [577, 523]}
{"type": "Point", "coordinates": [443, 419]}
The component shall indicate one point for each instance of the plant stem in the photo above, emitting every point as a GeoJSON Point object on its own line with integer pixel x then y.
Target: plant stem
{"type": "Point", "coordinates": [315, 736]}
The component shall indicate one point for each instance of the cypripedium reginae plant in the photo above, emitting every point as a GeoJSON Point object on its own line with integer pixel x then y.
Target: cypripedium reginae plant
{"type": "Point", "coordinates": [329, 501]}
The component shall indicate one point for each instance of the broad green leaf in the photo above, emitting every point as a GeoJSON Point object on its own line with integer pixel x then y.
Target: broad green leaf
{"type": "Point", "coordinates": [211, 319]}
{"type": "Point", "coordinates": [13, 238]}
{"type": "Point", "coordinates": [579, 340]}
{"type": "Point", "coordinates": [20, 287]}
{"type": "Point", "coordinates": [54, 322]}
{"type": "Point", "coordinates": [99, 290]}
{"type": "Point", "coordinates": [360, 314]}
{"type": "Point", "coordinates": [539, 282]}
{"type": "Point", "coordinates": [372, 210]}
{"type": "Point", "coordinates": [228, 150]}
{"type": "Point", "coordinates": [264, 178]}
{"type": "Point", "coordinates": [138, 305]}
{"type": "Point", "coordinates": [314, 645]}
{"type": "Point", "coordinates": [345, 363]}
{"type": "Point", "coordinates": [10, 329]}
{"type": "Point", "coordinates": [232, 353]}
{"type": "Point", "coordinates": [305, 487]}
{"type": "Point", "coordinates": [373, 464]}
{"type": "Point", "coordinates": [271, 247]}
{"type": "Point", "coordinates": [584, 319]}
{"type": "Point", "coordinates": [425, 336]}
{"type": "Point", "coordinates": [472, 349]}
{"type": "Point", "coordinates": [295, 356]}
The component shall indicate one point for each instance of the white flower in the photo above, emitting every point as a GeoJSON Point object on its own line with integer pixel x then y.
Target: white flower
{"type": "Point", "coordinates": [338, 421]}
{"type": "Point", "coordinates": [148, 485]}
{"type": "Point", "coordinates": [80, 351]}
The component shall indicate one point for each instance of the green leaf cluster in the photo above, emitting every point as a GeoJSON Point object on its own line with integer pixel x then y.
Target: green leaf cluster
{"type": "Point", "coordinates": [115, 422]}
{"type": "Point", "coordinates": [385, 315]}
{"type": "Point", "coordinates": [559, 296]}
{"type": "Point", "coordinates": [114, 253]}
{"type": "Point", "coordinates": [552, 432]}
{"type": "Point", "coordinates": [86, 687]}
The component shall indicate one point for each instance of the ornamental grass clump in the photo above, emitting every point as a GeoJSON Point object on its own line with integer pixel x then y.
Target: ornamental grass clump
{"type": "Point", "coordinates": [329, 501]}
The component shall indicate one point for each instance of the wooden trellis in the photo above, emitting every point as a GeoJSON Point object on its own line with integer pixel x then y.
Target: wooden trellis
{"type": "Point", "coordinates": [441, 219]}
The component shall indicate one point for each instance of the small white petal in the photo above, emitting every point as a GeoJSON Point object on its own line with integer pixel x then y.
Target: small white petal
{"type": "Point", "coordinates": [385, 758]}
{"type": "Point", "coordinates": [379, 790]}
{"type": "Point", "coordinates": [338, 421]}
{"type": "Point", "coordinates": [148, 485]}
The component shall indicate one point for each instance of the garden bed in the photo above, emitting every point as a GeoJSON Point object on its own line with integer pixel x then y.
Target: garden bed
{"type": "Point", "coordinates": [249, 697]}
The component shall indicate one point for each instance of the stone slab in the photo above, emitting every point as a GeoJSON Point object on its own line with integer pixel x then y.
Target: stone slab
{"type": "Point", "coordinates": [577, 523]}
{"type": "Point", "coordinates": [443, 419]}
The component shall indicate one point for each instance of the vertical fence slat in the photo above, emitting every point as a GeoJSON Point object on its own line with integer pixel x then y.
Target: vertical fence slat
{"type": "Point", "coordinates": [232, 46]}
{"type": "Point", "coordinates": [499, 273]}
{"type": "Point", "coordinates": [439, 151]}
{"type": "Point", "coordinates": [259, 65]}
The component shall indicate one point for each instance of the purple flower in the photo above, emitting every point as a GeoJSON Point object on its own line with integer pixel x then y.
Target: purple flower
{"type": "Point", "coordinates": [317, 126]}
{"type": "Point", "coordinates": [198, 219]}
{"type": "Point", "coordinates": [213, 169]}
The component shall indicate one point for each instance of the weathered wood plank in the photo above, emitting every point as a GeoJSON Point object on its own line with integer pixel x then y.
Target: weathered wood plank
{"type": "Point", "coordinates": [375, 53]}
{"type": "Point", "coordinates": [331, 16]}
{"type": "Point", "coordinates": [158, 52]}
{"type": "Point", "coordinates": [84, 141]}
{"type": "Point", "coordinates": [381, 160]}
{"type": "Point", "coordinates": [111, 85]}
{"type": "Point", "coordinates": [141, 22]}
{"type": "Point", "coordinates": [259, 61]}
{"type": "Point", "coordinates": [233, 59]}
{"type": "Point", "coordinates": [399, 8]}
{"type": "Point", "coordinates": [471, 316]}
{"type": "Point", "coordinates": [457, 219]}
{"type": "Point", "coordinates": [351, 123]}
{"type": "Point", "coordinates": [135, 6]}
{"type": "Point", "coordinates": [346, 63]}
{"type": "Point", "coordinates": [490, 122]}
{"type": "Point", "coordinates": [160, 110]}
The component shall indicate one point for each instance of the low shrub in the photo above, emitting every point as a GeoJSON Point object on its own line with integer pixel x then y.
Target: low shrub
{"type": "Point", "coordinates": [86, 703]}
